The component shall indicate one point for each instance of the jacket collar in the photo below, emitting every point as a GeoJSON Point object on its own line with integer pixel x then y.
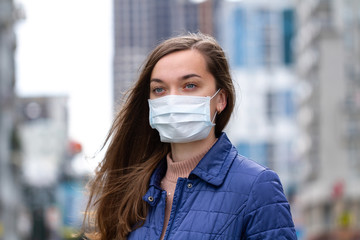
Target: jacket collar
{"type": "Point", "coordinates": [158, 174]}
{"type": "Point", "coordinates": [153, 194]}
{"type": "Point", "coordinates": [215, 165]}
{"type": "Point", "coordinates": [212, 168]}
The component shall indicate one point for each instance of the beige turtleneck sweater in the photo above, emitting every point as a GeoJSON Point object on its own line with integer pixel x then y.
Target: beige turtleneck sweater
{"type": "Point", "coordinates": [174, 171]}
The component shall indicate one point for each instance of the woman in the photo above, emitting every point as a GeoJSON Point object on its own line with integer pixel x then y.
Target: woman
{"type": "Point", "coordinates": [169, 171]}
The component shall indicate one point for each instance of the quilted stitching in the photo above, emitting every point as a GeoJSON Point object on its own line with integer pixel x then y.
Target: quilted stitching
{"type": "Point", "coordinates": [235, 198]}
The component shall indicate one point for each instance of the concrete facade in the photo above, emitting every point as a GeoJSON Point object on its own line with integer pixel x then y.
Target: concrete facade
{"type": "Point", "coordinates": [327, 50]}
{"type": "Point", "coordinates": [10, 198]}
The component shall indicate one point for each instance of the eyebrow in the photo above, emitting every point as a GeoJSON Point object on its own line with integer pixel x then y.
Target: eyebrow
{"type": "Point", "coordinates": [155, 80]}
{"type": "Point", "coordinates": [190, 76]}
{"type": "Point", "coordinates": [187, 76]}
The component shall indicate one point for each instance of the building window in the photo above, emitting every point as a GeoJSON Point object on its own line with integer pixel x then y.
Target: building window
{"type": "Point", "coordinates": [270, 106]}
{"type": "Point", "coordinates": [280, 105]}
{"type": "Point", "coordinates": [287, 104]}
{"type": "Point", "coordinates": [327, 216]}
{"type": "Point", "coordinates": [354, 156]}
{"type": "Point", "coordinates": [264, 50]}
{"type": "Point", "coordinates": [288, 34]}
{"type": "Point", "coordinates": [240, 35]}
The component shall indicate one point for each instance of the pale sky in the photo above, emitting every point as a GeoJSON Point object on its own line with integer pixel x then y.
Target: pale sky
{"type": "Point", "coordinates": [64, 47]}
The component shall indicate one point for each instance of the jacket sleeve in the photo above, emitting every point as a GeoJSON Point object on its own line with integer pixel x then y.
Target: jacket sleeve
{"type": "Point", "coordinates": [267, 213]}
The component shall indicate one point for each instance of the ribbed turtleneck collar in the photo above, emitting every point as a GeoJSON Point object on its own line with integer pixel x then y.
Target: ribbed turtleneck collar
{"type": "Point", "coordinates": [183, 168]}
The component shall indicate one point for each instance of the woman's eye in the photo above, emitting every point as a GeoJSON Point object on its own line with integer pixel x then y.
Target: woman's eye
{"type": "Point", "coordinates": [158, 90]}
{"type": "Point", "coordinates": [190, 85]}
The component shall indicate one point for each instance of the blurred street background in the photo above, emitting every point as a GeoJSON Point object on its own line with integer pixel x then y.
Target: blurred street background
{"type": "Point", "coordinates": [64, 66]}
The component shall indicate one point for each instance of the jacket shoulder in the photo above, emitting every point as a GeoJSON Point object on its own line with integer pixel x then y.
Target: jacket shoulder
{"type": "Point", "coordinates": [245, 170]}
{"type": "Point", "coordinates": [265, 200]}
{"type": "Point", "coordinates": [254, 180]}
{"type": "Point", "coordinates": [243, 164]}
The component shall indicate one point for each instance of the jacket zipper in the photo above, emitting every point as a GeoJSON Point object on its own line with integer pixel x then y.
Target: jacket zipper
{"type": "Point", "coordinates": [174, 210]}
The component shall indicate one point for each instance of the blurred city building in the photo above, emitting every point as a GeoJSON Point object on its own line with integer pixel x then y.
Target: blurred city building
{"type": "Point", "coordinates": [43, 132]}
{"type": "Point", "coordinates": [257, 37]}
{"type": "Point", "coordinates": [140, 25]}
{"type": "Point", "coordinates": [52, 189]}
{"type": "Point", "coordinates": [40, 185]}
{"type": "Point", "coordinates": [328, 66]}
{"type": "Point", "coordinates": [10, 188]}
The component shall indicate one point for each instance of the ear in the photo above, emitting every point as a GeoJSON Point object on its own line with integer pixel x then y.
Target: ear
{"type": "Point", "coordinates": [221, 101]}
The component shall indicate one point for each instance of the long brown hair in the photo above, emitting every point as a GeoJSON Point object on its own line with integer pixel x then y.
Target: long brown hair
{"type": "Point", "coordinates": [115, 205]}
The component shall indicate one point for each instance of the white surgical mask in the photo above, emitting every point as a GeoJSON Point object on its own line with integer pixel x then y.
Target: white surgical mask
{"type": "Point", "coordinates": [181, 118]}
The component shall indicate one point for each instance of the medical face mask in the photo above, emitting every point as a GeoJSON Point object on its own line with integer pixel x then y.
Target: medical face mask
{"type": "Point", "coordinates": [181, 118]}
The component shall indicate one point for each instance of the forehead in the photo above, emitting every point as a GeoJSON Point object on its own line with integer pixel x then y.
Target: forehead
{"type": "Point", "coordinates": [185, 61]}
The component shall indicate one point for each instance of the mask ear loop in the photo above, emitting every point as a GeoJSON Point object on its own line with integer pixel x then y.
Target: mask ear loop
{"type": "Point", "coordinates": [216, 93]}
{"type": "Point", "coordinates": [216, 112]}
{"type": "Point", "coordinates": [212, 121]}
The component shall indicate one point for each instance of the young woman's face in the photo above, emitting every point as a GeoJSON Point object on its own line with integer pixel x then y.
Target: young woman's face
{"type": "Point", "coordinates": [185, 73]}
{"type": "Point", "coordinates": [182, 73]}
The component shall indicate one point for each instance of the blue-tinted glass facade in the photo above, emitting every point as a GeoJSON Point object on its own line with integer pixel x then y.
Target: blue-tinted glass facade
{"type": "Point", "coordinates": [280, 105]}
{"type": "Point", "coordinates": [191, 18]}
{"type": "Point", "coordinates": [255, 35]}
{"type": "Point", "coordinates": [240, 36]}
{"type": "Point", "coordinates": [288, 34]}
{"type": "Point", "coordinates": [262, 49]}
{"type": "Point", "coordinates": [288, 104]}
{"type": "Point", "coordinates": [162, 19]}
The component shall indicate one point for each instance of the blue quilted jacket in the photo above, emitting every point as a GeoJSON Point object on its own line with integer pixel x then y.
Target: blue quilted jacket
{"type": "Point", "coordinates": [226, 196]}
